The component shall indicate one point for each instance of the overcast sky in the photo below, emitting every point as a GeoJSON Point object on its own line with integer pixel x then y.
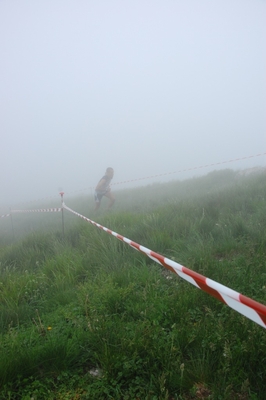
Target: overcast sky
{"type": "Point", "coordinates": [144, 86]}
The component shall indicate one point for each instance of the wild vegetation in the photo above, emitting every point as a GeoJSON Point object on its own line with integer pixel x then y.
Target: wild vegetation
{"type": "Point", "coordinates": [85, 316]}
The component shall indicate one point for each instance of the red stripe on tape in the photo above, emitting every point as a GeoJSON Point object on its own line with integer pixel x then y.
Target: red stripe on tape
{"type": "Point", "coordinates": [259, 308]}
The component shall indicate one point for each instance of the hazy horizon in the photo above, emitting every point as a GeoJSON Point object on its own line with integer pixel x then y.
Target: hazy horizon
{"type": "Point", "coordinates": [146, 87]}
{"type": "Point", "coordinates": [55, 200]}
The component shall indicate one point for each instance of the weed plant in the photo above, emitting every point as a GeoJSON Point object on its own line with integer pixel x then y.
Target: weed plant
{"type": "Point", "coordinates": [85, 316]}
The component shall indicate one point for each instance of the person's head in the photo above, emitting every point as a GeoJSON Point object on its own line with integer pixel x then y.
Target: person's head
{"type": "Point", "coordinates": [109, 172]}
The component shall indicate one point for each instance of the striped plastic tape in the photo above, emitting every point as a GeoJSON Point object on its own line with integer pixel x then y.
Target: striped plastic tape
{"type": "Point", "coordinates": [4, 215]}
{"type": "Point", "coordinates": [38, 210]}
{"type": "Point", "coordinates": [191, 169]}
{"type": "Point", "coordinates": [242, 304]}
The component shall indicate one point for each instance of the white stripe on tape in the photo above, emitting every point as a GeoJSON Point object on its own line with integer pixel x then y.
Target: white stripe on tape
{"type": "Point", "coordinates": [38, 210]}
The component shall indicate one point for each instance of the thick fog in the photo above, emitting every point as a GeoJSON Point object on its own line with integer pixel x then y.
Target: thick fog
{"type": "Point", "coordinates": [146, 86]}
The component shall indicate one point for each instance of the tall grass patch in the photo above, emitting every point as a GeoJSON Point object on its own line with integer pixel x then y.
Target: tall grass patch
{"type": "Point", "coordinates": [86, 316]}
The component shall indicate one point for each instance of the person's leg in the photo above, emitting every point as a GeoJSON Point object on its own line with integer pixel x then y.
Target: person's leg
{"type": "Point", "coordinates": [111, 199]}
{"type": "Point", "coordinates": [97, 199]}
{"type": "Point", "coordinates": [97, 205]}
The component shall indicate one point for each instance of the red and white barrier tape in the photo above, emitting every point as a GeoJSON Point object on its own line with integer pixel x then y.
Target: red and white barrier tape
{"type": "Point", "coordinates": [240, 303]}
{"type": "Point", "coordinates": [4, 215]}
{"type": "Point", "coordinates": [191, 169]}
{"type": "Point", "coordinates": [38, 210]}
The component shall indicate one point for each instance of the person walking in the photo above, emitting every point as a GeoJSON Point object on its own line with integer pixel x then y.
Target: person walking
{"type": "Point", "coordinates": [103, 189]}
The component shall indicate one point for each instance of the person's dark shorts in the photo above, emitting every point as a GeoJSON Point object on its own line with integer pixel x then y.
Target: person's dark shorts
{"type": "Point", "coordinates": [98, 196]}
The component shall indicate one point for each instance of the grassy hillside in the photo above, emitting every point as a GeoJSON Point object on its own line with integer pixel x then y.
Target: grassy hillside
{"type": "Point", "coordinates": [88, 317]}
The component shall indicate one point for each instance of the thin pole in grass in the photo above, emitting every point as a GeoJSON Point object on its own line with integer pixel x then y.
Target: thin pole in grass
{"type": "Point", "coordinates": [62, 209]}
{"type": "Point", "coordinates": [12, 225]}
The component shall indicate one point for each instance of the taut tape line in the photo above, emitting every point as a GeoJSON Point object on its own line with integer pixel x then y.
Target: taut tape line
{"type": "Point", "coordinates": [190, 169]}
{"type": "Point", "coordinates": [244, 305]}
{"type": "Point", "coordinates": [38, 210]}
{"type": "Point", "coordinates": [4, 215]}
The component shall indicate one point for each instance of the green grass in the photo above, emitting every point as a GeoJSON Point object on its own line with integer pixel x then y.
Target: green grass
{"type": "Point", "coordinates": [70, 305]}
